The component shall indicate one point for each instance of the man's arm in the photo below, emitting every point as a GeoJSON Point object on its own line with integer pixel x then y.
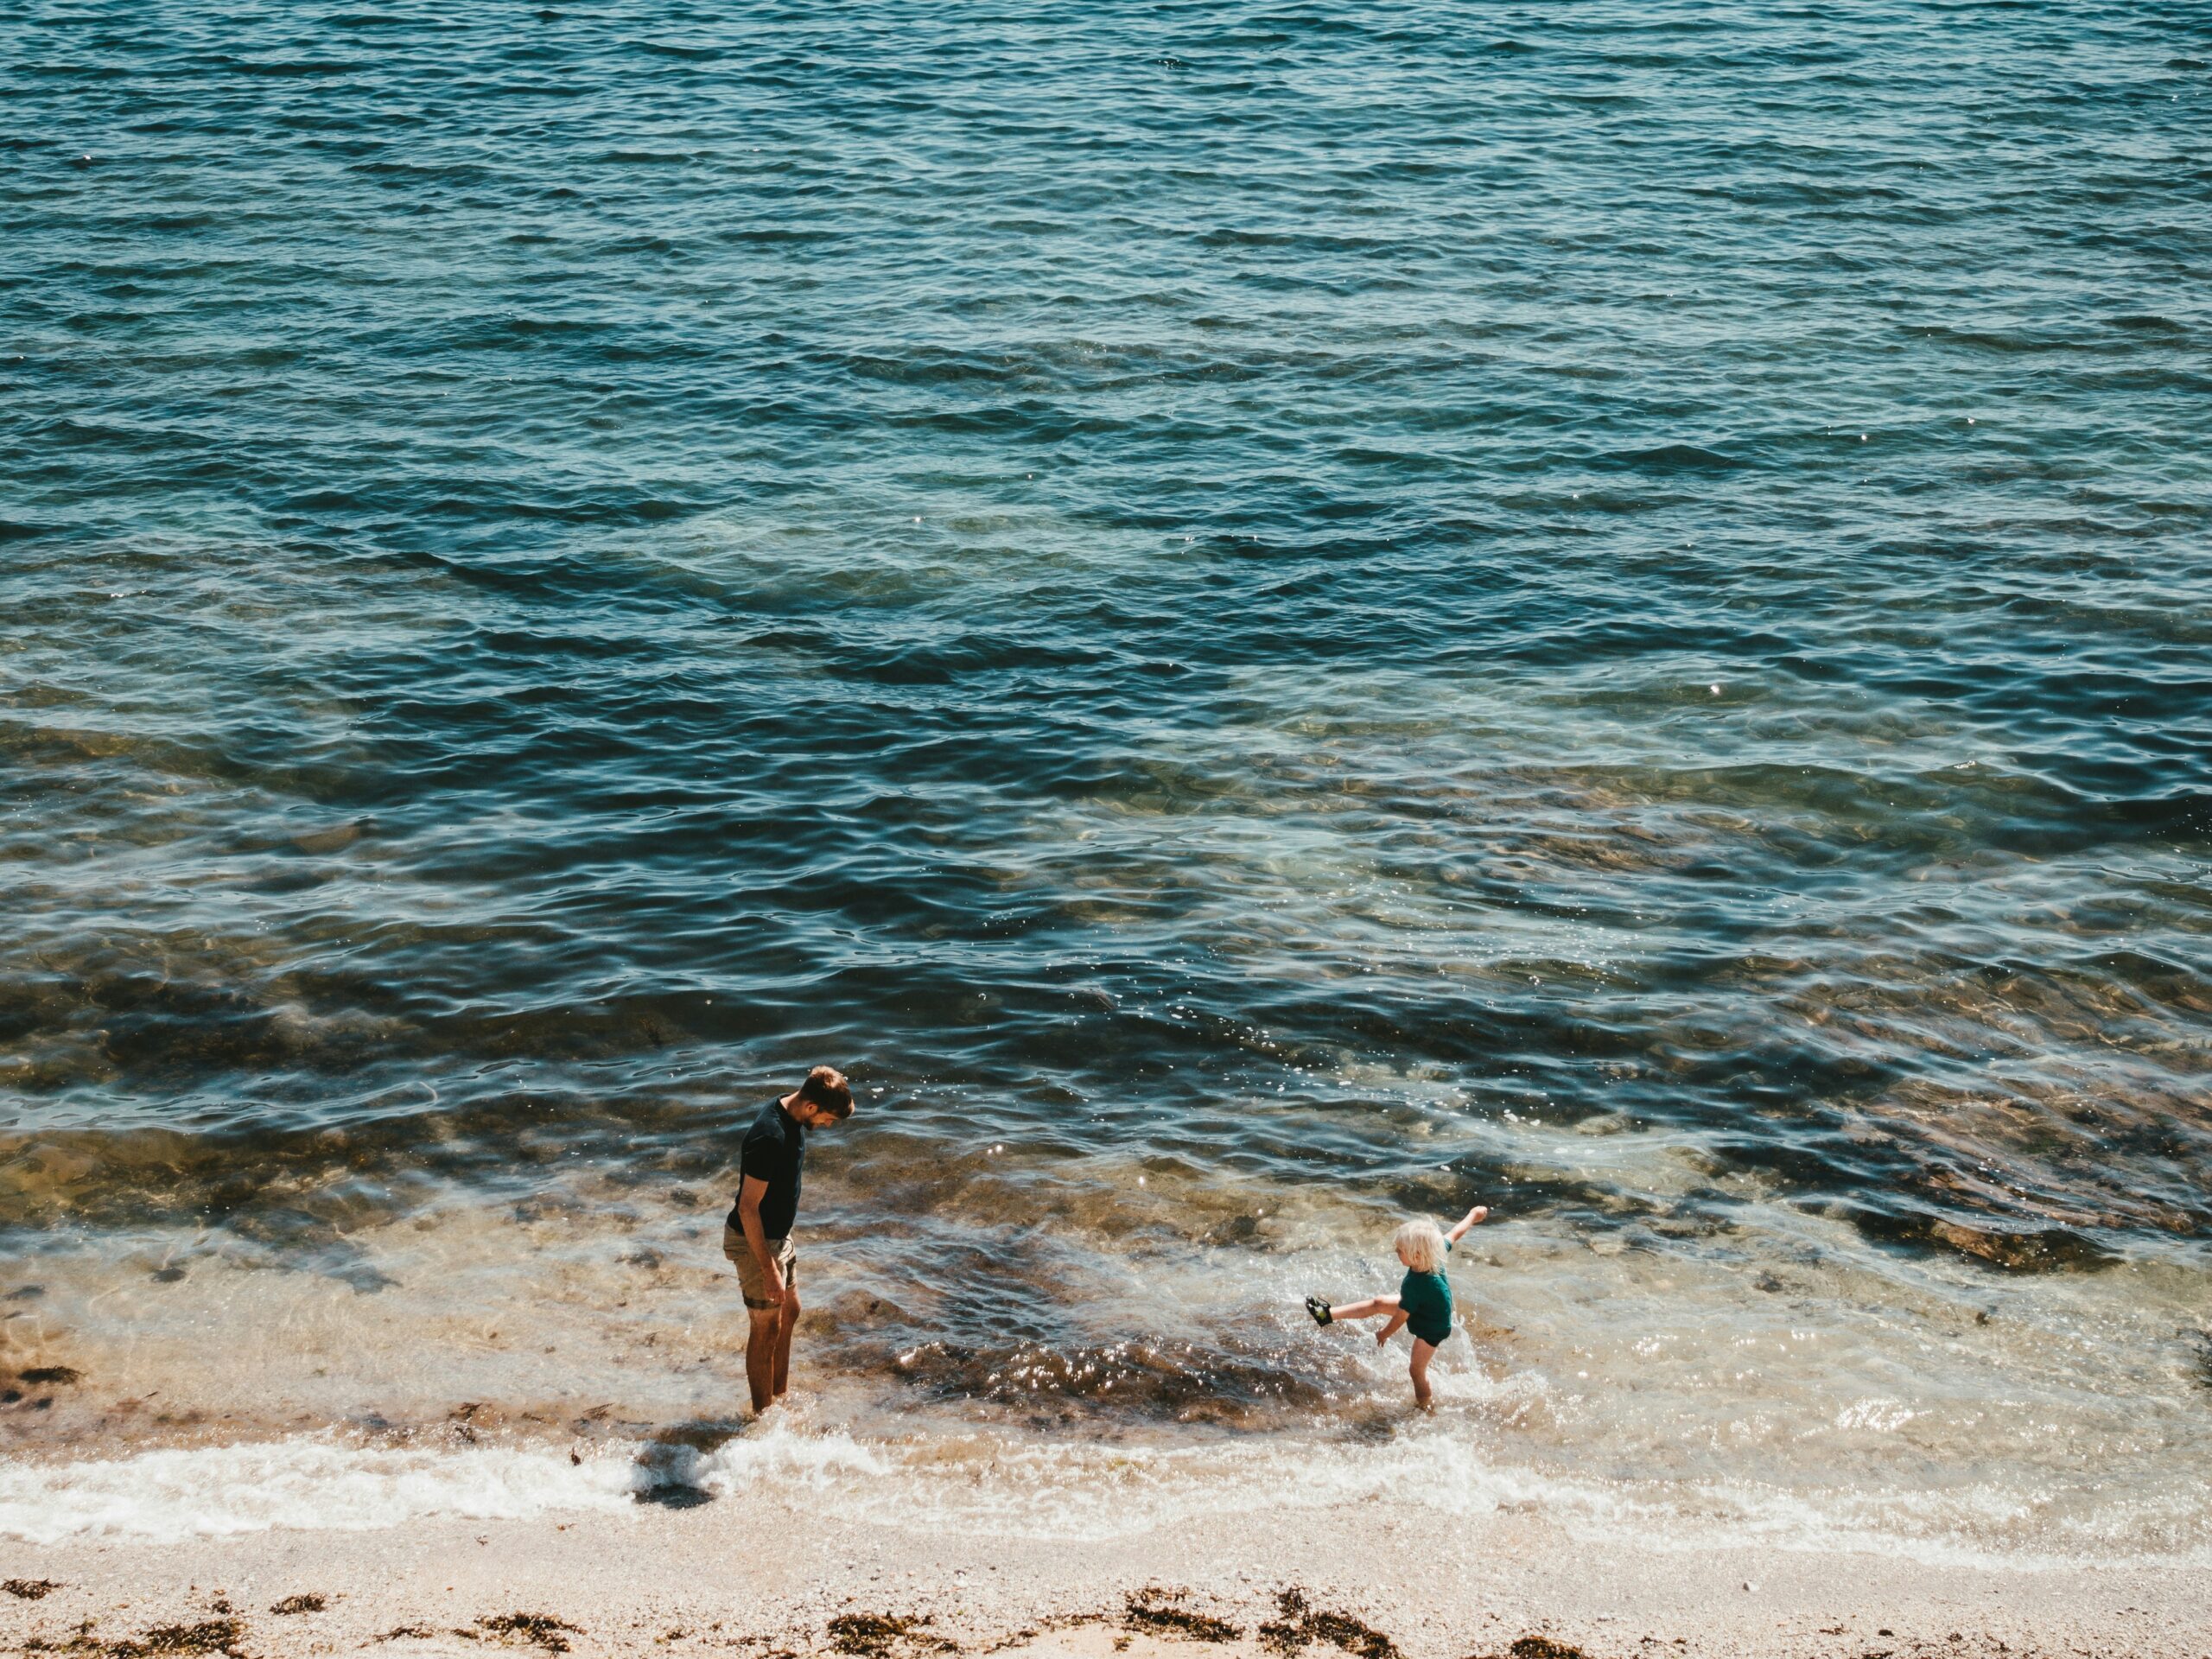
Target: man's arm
{"type": "Point", "coordinates": [1477, 1214]}
{"type": "Point", "coordinates": [750, 1191]}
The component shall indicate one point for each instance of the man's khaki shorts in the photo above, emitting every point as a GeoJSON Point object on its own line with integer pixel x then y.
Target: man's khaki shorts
{"type": "Point", "coordinates": [750, 1279]}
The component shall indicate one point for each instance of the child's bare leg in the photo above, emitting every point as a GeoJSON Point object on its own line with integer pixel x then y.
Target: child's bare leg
{"type": "Point", "coordinates": [1422, 1351]}
{"type": "Point", "coordinates": [1366, 1310]}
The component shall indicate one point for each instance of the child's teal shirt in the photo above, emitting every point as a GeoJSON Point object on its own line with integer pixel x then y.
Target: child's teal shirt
{"type": "Point", "coordinates": [1426, 1300]}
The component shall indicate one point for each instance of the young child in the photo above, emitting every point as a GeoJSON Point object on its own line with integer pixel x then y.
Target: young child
{"type": "Point", "coordinates": [1424, 1298]}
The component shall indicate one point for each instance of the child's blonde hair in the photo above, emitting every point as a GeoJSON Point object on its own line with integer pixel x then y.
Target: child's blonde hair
{"type": "Point", "coordinates": [1420, 1246]}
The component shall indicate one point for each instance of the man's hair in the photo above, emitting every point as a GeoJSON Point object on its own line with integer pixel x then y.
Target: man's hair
{"type": "Point", "coordinates": [1422, 1245]}
{"type": "Point", "coordinates": [825, 1087]}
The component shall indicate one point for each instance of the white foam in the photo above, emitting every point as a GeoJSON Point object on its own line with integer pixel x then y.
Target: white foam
{"type": "Point", "coordinates": [985, 1484]}
{"type": "Point", "coordinates": [790, 1459]}
{"type": "Point", "coordinates": [312, 1484]}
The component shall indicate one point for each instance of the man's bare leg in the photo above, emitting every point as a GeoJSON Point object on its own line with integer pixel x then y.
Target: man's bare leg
{"type": "Point", "coordinates": [787, 1322]}
{"type": "Point", "coordinates": [762, 1342]}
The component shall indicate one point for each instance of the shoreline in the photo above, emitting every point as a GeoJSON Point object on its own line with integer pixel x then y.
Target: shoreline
{"type": "Point", "coordinates": [755, 1573]}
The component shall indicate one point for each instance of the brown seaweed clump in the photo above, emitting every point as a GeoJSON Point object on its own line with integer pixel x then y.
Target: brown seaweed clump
{"type": "Point", "coordinates": [1146, 1611]}
{"type": "Point", "coordinates": [1543, 1647]}
{"type": "Point", "coordinates": [541, 1630]}
{"type": "Point", "coordinates": [308, 1603]}
{"type": "Point", "coordinates": [1299, 1626]}
{"type": "Point", "coordinates": [30, 1589]}
{"type": "Point", "coordinates": [877, 1636]}
{"type": "Point", "coordinates": [209, 1635]}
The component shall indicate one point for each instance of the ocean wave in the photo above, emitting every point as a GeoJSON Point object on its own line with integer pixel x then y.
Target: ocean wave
{"type": "Point", "coordinates": [1071, 1492]}
{"type": "Point", "coordinates": [170, 1494]}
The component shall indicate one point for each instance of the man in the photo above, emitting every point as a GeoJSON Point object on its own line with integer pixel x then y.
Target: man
{"type": "Point", "coordinates": [756, 1237]}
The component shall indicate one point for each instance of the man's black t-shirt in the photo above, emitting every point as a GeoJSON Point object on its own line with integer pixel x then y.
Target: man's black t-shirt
{"type": "Point", "coordinates": [774, 1152]}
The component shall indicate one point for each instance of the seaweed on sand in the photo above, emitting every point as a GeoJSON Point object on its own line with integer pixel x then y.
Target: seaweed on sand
{"type": "Point", "coordinates": [1146, 1611]}
{"type": "Point", "coordinates": [876, 1636]}
{"type": "Point", "coordinates": [542, 1629]}
{"type": "Point", "coordinates": [209, 1635]}
{"type": "Point", "coordinates": [1300, 1626]}
{"type": "Point", "coordinates": [1543, 1647]}
{"type": "Point", "coordinates": [30, 1589]}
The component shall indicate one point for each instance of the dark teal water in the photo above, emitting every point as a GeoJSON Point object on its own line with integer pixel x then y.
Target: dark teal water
{"type": "Point", "coordinates": [1266, 593]}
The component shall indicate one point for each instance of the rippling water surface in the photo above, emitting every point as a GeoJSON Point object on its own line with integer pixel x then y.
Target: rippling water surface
{"type": "Point", "coordinates": [1262, 616]}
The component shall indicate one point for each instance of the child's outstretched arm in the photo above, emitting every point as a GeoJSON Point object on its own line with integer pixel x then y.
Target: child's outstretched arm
{"type": "Point", "coordinates": [1391, 1325]}
{"type": "Point", "coordinates": [1478, 1214]}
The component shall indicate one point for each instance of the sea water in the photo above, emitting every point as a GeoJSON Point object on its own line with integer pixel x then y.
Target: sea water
{"type": "Point", "coordinates": [1264, 618]}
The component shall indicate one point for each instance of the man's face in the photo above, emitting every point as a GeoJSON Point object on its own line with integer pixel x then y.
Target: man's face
{"type": "Point", "coordinates": [811, 1116]}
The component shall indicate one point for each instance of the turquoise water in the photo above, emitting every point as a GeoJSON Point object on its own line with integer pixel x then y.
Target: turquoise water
{"type": "Point", "coordinates": [1598, 610]}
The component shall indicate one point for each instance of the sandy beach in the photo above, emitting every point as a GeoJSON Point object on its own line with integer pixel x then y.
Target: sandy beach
{"type": "Point", "coordinates": [748, 1575]}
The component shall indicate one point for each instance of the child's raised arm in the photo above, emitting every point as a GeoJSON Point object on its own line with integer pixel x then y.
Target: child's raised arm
{"type": "Point", "coordinates": [1479, 1213]}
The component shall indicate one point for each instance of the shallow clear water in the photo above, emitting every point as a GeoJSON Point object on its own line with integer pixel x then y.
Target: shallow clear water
{"type": "Point", "coordinates": [1262, 617]}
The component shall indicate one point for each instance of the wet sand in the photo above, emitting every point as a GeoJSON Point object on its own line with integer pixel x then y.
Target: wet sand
{"type": "Point", "coordinates": [746, 1575]}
